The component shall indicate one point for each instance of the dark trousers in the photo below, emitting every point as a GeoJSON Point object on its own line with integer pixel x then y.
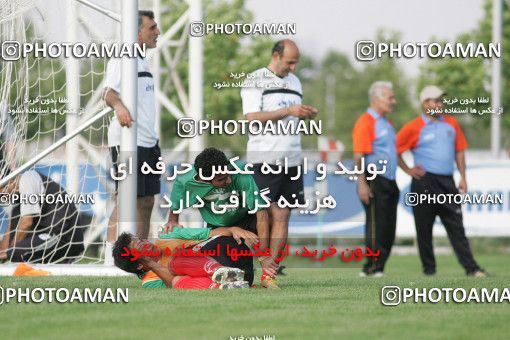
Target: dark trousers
{"type": "Point", "coordinates": [45, 248]}
{"type": "Point", "coordinates": [451, 217]}
{"type": "Point", "coordinates": [381, 221]}
{"type": "Point", "coordinates": [243, 262]}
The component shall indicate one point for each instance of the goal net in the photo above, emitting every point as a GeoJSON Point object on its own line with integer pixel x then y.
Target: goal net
{"type": "Point", "coordinates": [44, 99]}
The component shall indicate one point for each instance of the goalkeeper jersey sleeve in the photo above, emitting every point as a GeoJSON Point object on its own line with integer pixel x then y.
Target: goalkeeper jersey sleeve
{"type": "Point", "coordinates": [151, 280]}
{"type": "Point", "coordinates": [154, 284]}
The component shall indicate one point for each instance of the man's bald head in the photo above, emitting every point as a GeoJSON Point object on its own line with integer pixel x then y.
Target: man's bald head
{"type": "Point", "coordinates": [285, 57]}
{"type": "Point", "coordinates": [281, 45]}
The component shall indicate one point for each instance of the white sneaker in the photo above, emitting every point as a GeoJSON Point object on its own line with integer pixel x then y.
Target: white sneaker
{"type": "Point", "coordinates": [227, 274]}
{"type": "Point", "coordinates": [477, 273]}
{"type": "Point", "coordinates": [235, 285]}
{"type": "Point", "coordinates": [378, 274]}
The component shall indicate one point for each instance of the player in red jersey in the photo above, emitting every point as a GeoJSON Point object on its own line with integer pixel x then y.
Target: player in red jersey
{"type": "Point", "coordinates": [179, 272]}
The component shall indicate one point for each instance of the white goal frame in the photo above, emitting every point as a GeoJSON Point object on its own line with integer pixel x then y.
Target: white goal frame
{"type": "Point", "coordinates": [191, 102]}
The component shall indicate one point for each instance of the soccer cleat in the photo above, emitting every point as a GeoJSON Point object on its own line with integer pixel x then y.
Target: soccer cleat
{"type": "Point", "coordinates": [227, 274]}
{"type": "Point", "coordinates": [269, 282]}
{"type": "Point", "coordinates": [477, 273]}
{"type": "Point", "coordinates": [374, 274]}
{"type": "Point", "coordinates": [235, 285]}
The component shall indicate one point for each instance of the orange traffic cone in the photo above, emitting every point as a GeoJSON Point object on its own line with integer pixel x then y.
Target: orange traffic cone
{"type": "Point", "coordinates": [24, 269]}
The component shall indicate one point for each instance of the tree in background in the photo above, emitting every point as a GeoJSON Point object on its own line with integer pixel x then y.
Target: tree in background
{"type": "Point", "coordinates": [226, 54]}
{"type": "Point", "coordinates": [351, 91]}
{"type": "Point", "coordinates": [223, 55]}
{"type": "Point", "coordinates": [470, 78]}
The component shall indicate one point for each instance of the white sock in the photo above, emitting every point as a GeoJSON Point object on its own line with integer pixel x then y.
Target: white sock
{"type": "Point", "coordinates": [108, 256]}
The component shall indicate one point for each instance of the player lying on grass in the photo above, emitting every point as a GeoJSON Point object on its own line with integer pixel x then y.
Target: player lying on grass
{"type": "Point", "coordinates": [44, 230]}
{"type": "Point", "coordinates": [178, 272]}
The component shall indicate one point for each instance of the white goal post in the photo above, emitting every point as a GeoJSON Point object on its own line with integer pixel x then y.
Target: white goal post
{"type": "Point", "coordinates": [71, 148]}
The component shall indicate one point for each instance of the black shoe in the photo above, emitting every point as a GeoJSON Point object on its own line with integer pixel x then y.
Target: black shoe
{"type": "Point", "coordinates": [280, 271]}
{"type": "Point", "coordinates": [429, 272]}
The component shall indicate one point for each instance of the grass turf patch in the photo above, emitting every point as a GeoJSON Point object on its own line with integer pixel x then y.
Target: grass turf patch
{"type": "Point", "coordinates": [313, 304]}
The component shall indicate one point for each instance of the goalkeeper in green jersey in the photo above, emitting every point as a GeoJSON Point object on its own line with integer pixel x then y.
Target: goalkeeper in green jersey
{"type": "Point", "coordinates": [213, 192]}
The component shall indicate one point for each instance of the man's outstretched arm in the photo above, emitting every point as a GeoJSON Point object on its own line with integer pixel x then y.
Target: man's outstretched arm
{"type": "Point", "coordinates": [25, 224]}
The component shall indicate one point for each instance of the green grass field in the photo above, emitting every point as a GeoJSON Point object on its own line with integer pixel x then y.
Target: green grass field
{"type": "Point", "coordinates": [313, 304]}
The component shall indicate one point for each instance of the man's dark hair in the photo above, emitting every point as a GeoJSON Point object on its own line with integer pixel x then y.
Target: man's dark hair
{"type": "Point", "coordinates": [149, 14]}
{"type": "Point", "coordinates": [209, 158]}
{"type": "Point", "coordinates": [278, 48]}
{"type": "Point", "coordinates": [124, 262]}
